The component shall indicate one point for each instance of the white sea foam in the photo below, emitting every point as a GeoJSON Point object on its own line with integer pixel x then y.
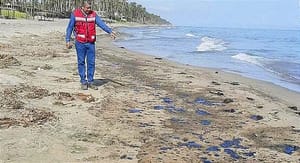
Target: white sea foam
{"type": "Point", "coordinates": [211, 44]}
{"type": "Point", "coordinates": [154, 30]}
{"type": "Point", "coordinates": [190, 35]}
{"type": "Point", "coordinates": [248, 58]}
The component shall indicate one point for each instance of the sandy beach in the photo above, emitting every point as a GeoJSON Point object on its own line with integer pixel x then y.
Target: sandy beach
{"type": "Point", "coordinates": [147, 109]}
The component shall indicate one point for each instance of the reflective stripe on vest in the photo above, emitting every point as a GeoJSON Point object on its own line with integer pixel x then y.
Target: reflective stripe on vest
{"type": "Point", "coordinates": [91, 19]}
{"type": "Point", "coordinates": [80, 19]}
{"type": "Point", "coordinates": [82, 36]}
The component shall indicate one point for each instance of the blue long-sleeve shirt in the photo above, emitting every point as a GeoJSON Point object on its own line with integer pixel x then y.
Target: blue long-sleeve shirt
{"type": "Point", "coordinates": [100, 23]}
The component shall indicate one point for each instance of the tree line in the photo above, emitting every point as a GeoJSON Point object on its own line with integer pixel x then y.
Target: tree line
{"type": "Point", "coordinates": [113, 10]}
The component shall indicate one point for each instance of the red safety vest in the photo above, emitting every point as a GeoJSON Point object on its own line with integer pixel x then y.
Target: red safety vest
{"type": "Point", "coordinates": [85, 26]}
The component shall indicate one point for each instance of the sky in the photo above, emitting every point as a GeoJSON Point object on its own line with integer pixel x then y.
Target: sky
{"type": "Point", "coordinates": [278, 14]}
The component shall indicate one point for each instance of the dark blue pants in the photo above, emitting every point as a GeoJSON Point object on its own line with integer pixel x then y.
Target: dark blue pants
{"type": "Point", "coordinates": [85, 52]}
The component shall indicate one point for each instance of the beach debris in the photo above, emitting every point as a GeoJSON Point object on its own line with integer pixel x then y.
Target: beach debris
{"type": "Point", "coordinates": [213, 149]}
{"type": "Point", "coordinates": [63, 96]}
{"type": "Point", "coordinates": [6, 61]}
{"type": "Point", "coordinates": [45, 67]}
{"type": "Point", "coordinates": [231, 143]}
{"type": "Point", "coordinates": [28, 118]}
{"type": "Point", "coordinates": [200, 136]}
{"type": "Point", "coordinates": [256, 117]}
{"type": "Point", "coordinates": [191, 144]}
{"type": "Point", "coordinates": [207, 161]}
{"type": "Point", "coordinates": [296, 130]}
{"type": "Point", "coordinates": [179, 110]}
{"type": "Point", "coordinates": [236, 144]}
{"type": "Point", "coordinates": [9, 99]}
{"type": "Point", "coordinates": [167, 100]}
{"type": "Point", "coordinates": [170, 108]}
{"type": "Point", "coordinates": [5, 46]}
{"type": "Point", "coordinates": [228, 100]}
{"type": "Point", "coordinates": [183, 95]}
{"type": "Point", "coordinates": [177, 120]}
{"type": "Point", "coordinates": [250, 99]}
{"type": "Point", "coordinates": [145, 125]}
{"type": "Point", "coordinates": [37, 116]}
{"type": "Point", "coordinates": [232, 153]}
{"type": "Point", "coordinates": [260, 106]}
{"type": "Point", "coordinates": [215, 83]}
{"type": "Point", "coordinates": [203, 101]}
{"type": "Point", "coordinates": [64, 79]}
{"type": "Point", "coordinates": [129, 158]}
{"type": "Point", "coordinates": [123, 156]}
{"type": "Point", "coordinates": [85, 97]}
{"type": "Point", "coordinates": [249, 154]}
{"type": "Point", "coordinates": [217, 92]}
{"type": "Point", "coordinates": [290, 149]}
{"type": "Point", "coordinates": [37, 93]}
{"type": "Point", "coordinates": [7, 122]}
{"type": "Point", "coordinates": [190, 76]}
{"type": "Point", "coordinates": [135, 110]}
{"type": "Point", "coordinates": [234, 83]}
{"type": "Point", "coordinates": [293, 108]}
{"type": "Point", "coordinates": [205, 122]}
{"type": "Point", "coordinates": [158, 107]}
{"type": "Point", "coordinates": [202, 112]}
{"type": "Point", "coordinates": [90, 137]}
{"type": "Point", "coordinates": [165, 148]}
{"type": "Point", "coordinates": [59, 103]}
{"type": "Point", "coordinates": [173, 109]}
{"type": "Point", "coordinates": [12, 96]}
{"type": "Point", "coordinates": [229, 110]}
{"type": "Point", "coordinates": [28, 73]}
{"type": "Point", "coordinates": [158, 58]}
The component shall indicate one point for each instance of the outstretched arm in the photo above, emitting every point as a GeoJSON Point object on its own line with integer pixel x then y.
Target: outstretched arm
{"type": "Point", "coordinates": [100, 23]}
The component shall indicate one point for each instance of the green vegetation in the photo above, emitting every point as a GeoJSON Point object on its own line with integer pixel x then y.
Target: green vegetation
{"type": "Point", "coordinates": [110, 10]}
{"type": "Point", "coordinates": [11, 14]}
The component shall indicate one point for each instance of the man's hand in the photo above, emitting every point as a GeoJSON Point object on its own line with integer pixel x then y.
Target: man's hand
{"type": "Point", "coordinates": [68, 45]}
{"type": "Point", "coordinates": [113, 35]}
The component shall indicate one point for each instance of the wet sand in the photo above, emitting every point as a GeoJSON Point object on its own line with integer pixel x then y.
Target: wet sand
{"type": "Point", "coordinates": [146, 110]}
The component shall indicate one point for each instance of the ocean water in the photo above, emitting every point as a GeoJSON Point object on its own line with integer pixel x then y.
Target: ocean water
{"type": "Point", "coordinates": [265, 54]}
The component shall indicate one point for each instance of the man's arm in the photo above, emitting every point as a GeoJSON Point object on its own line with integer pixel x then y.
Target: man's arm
{"type": "Point", "coordinates": [100, 23]}
{"type": "Point", "coordinates": [70, 30]}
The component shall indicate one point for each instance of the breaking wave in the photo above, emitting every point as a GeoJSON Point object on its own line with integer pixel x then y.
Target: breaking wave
{"type": "Point", "coordinates": [248, 58]}
{"type": "Point", "coordinates": [211, 44]}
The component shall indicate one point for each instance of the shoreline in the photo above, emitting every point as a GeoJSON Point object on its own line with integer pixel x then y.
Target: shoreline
{"type": "Point", "coordinates": [147, 109]}
{"type": "Point", "coordinates": [259, 71]}
{"type": "Point", "coordinates": [264, 86]}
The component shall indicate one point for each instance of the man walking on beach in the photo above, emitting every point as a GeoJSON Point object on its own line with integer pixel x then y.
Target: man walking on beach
{"type": "Point", "coordinates": [82, 22]}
